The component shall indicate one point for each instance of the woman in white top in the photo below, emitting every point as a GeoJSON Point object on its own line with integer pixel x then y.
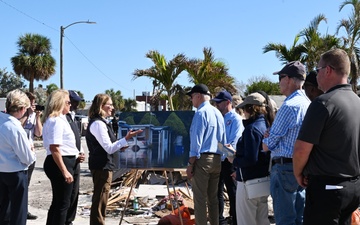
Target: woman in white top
{"type": "Point", "coordinates": [103, 150]}
{"type": "Point", "coordinates": [59, 165]}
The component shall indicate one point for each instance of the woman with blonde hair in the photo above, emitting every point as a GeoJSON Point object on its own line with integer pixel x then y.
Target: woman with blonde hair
{"type": "Point", "coordinates": [250, 161]}
{"type": "Point", "coordinates": [15, 157]}
{"type": "Point", "coordinates": [103, 154]}
{"type": "Point", "coordinates": [59, 165]}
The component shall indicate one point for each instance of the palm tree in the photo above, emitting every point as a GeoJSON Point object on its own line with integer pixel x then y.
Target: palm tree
{"type": "Point", "coordinates": [163, 73]}
{"type": "Point", "coordinates": [129, 105]}
{"type": "Point", "coordinates": [214, 73]}
{"type": "Point", "coordinates": [352, 29]}
{"type": "Point", "coordinates": [116, 98]}
{"type": "Point", "coordinates": [34, 60]}
{"type": "Point", "coordinates": [284, 54]}
{"type": "Point", "coordinates": [50, 88]}
{"type": "Point", "coordinates": [314, 43]}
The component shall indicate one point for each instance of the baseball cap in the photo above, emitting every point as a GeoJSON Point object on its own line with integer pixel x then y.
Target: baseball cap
{"type": "Point", "coordinates": [199, 88]}
{"type": "Point", "coordinates": [75, 96]}
{"type": "Point", "coordinates": [311, 78]}
{"type": "Point", "coordinates": [293, 69]}
{"type": "Point", "coordinates": [253, 99]}
{"type": "Point", "coordinates": [222, 96]}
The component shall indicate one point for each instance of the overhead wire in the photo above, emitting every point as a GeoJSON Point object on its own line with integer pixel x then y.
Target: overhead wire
{"type": "Point", "coordinates": [57, 30]}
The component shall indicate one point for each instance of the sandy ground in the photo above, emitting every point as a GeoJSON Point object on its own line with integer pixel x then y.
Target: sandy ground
{"type": "Point", "coordinates": [40, 191]}
{"type": "Point", "coordinates": [40, 194]}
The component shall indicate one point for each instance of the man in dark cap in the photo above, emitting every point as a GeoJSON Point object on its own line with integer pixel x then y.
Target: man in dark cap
{"type": "Point", "coordinates": [75, 99]}
{"type": "Point", "coordinates": [288, 196]}
{"type": "Point", "coordinates": [311, 86]}
{"type": "Point", "coordinates": [233, 129]}
{"type": "Point", "coordinates": [206, 131]}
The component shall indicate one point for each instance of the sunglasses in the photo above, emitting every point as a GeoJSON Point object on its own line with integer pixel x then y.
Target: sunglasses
{"type": "Point", "coordinates": [323, 67]}
{"type": "Point", "coordinates": [281, 77]}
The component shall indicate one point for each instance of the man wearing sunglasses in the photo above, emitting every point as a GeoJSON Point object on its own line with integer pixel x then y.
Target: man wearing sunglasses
{"type": "Point", "coordinates": [288, 196]}
{"type": "Point", "coordinates": [326, 154]}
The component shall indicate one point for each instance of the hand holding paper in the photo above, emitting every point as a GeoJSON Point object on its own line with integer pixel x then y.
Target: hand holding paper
{"type": "Point", "coordinates": [226, 149]}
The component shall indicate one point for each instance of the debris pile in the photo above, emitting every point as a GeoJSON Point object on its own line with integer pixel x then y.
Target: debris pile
{"type": "Point", "coordinates": [144, 195]}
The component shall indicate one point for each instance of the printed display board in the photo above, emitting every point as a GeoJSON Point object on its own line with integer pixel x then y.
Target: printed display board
{"type": "Point", "coordinates": [164, 142]}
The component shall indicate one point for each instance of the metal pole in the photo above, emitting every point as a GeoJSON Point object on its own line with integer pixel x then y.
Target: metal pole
{"type": "Point", "coordinates": [61, 56]}
{"type": "Point", "coordinates": [61, 48]}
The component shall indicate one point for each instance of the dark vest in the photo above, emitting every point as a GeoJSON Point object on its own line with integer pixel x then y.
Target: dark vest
{"type": "Point", "coordinates": [98, 157]}
{"type": "Point", "coordinates": [75, 128]}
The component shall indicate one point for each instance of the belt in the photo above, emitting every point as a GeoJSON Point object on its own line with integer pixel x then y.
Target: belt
{"type": "Point", "coordinates": [281, 160]}
{"type": "Point", "coordinates": [209, 153]}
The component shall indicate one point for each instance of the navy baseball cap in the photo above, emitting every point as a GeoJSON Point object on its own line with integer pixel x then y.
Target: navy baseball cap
{"type": "Point", "coordinates": [75, 96]}
{"type": "Point", "coordinates": [222, 96]}
{"type": "Point", "coordinates": [311, 78]}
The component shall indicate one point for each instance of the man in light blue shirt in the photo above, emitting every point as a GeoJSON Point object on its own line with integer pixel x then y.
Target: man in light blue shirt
{"type": "Point", "coordinates": [233, 129]}
{"type": "Point", "coordinates": [288, 196]}
{"type": "Point", "coordinates": [206, 131]}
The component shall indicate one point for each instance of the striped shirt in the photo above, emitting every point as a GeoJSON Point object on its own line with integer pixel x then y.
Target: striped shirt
{"type": "Point", "coordinates": [285, 129]}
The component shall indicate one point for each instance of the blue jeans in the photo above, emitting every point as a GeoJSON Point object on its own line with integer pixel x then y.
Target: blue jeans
{"type": "Point", "coordinates": [288, 196]}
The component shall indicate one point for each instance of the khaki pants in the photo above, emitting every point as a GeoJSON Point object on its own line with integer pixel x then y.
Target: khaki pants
{"type": "Point", "coordinates": [102, 182]}
{"type": "Point", "coordinates": [205, 186]}
{"type": "Point", "coordinates": [250, 211]}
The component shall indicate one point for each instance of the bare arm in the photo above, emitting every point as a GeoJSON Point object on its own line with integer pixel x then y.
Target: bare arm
{"type": "Point", "coordinates": [38, 125]}
{"type": "Point", "coordinates": [301, 154]}
{"type": "Point", "coordinates": [55, 152]}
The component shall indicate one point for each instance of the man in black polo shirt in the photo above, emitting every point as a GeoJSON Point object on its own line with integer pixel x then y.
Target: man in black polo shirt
{"type": "Point", "coordinates": [326, 153]}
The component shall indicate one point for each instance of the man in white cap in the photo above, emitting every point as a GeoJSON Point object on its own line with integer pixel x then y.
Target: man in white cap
{"type": "Point", "coordinates": [288, 196]}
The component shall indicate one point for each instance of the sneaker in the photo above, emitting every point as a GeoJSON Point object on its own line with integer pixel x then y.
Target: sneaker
{"type": "Point", "coordinates": [31, 216]}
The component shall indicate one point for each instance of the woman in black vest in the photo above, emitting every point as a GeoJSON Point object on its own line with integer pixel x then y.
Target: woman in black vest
{"type": "Point", "coordinates": [103, 154]}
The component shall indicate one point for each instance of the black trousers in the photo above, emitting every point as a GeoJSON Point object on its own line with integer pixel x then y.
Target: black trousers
{"type": "Point", "coordinates": [71, 214]}
{"type": "Point", "coordinates": [331, 200]}
{"type": "Point", "coordinates": [13, 198]}
{"type": "Point", "coordinates": [61, 190]}
{"type": "Point", "coordinates": [30, 172]}
{"type": "Point", "coordinates": [225, 179]}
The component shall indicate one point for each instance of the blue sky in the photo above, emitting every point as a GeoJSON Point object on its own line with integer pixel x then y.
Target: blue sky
{"type": "Point", "coordinates": [104, 55]}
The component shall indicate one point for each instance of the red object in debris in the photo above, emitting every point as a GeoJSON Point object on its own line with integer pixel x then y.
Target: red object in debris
{"type": "Point", "coordinates": [174, 219]}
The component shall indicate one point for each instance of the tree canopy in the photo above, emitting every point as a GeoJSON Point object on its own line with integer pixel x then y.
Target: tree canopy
{"type": "Point", "coordinates": [9, 81]}
{"type": "Point", "coordinates": [33, 60]}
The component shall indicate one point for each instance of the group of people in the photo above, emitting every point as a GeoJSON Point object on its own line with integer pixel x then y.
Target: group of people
{"type": "Point", "coordinates": [61, 137]}
{"type": "Point", "coordinates": [310, 150]}
{"type": "Point", "coordinates": [309, 147]}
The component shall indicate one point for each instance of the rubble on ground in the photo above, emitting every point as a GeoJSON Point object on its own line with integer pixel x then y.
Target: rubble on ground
{"type": "Point", "coordinates": [153, 193]}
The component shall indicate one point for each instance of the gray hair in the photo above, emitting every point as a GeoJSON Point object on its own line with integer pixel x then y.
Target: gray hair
{"type": "Point", "coordinates": [16, 100]}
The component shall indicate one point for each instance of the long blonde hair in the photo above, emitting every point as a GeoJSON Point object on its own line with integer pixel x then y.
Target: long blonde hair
{"type": "Point", "coordinates": [96, 107]}
{"type": "Point", "coordinates": [55, 104]}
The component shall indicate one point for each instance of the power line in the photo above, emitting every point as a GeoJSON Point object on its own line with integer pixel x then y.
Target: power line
{"type": "Point", "coordinates": [57, 30]}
